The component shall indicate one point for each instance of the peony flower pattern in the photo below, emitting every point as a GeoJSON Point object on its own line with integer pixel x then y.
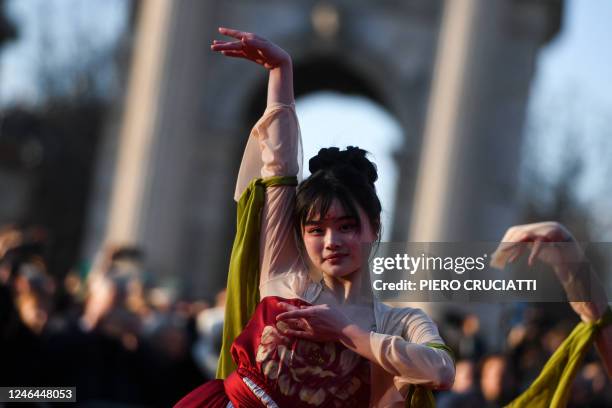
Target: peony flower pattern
{"type": "Point", "coordinates": [318, 374]}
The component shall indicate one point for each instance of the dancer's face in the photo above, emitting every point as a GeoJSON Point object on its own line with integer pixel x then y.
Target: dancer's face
{"type": "Point", "coordinates": [335, 244]}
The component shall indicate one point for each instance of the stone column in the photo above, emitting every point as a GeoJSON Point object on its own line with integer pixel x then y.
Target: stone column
{"type": "Point", "coordinates": [160, 129]}
{"type": "Point", "coordinates": [137, 134]}
{"type": "Point", "coordinates": [445, 209]}
{"type": "Point", "coordinates": [466, 183]}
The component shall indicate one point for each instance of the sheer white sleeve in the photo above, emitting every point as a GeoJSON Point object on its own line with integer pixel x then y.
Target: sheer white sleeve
{"type": "Point", "coordinates": [404, 352]}
{"type": "Point", "coordinates": [274, 147]}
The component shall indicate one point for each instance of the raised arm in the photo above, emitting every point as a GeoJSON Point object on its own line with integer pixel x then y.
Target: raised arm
{"type": "Point", "coordinates": [272, 148]}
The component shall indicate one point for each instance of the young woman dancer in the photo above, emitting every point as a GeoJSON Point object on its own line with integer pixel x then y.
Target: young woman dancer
{"type": "Point", "coordinates": [316, 338]}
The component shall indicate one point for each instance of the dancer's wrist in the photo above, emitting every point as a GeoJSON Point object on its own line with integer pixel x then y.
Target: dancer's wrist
{"type": "Point", "coordinates": [280, 85]}
{"type": "Point", "coordinates": [351, 334]}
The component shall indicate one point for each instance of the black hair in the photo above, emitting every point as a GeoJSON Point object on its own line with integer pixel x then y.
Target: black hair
{"type": "Point", "coordinates": [346, 175]}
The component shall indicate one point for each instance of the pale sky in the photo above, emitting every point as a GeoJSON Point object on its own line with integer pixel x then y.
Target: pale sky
{"type": "Point", "coordinates": [331, 119]}
{"type": "Point", "coordinates": [571, 107]}
{"type": "Point", "coordinates": [581, 53]}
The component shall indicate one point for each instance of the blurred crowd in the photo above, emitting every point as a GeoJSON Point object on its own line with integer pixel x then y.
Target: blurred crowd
{"type": "Point", "coordinates": [125, 342]}
{"type": "Point", "coordinates": [121, 340]}
{"type": "Point", "coordinates": [493, 378]}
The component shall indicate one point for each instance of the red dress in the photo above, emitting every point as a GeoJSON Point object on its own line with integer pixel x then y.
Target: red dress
{"type": "Point", "coordinates": [275, 370]}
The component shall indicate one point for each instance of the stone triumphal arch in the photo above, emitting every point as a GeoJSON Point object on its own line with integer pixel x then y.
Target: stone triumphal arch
{"type": "Point", "coordinates": [455, 74]}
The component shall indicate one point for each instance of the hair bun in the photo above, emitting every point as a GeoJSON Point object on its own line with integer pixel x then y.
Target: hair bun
{"type": "Point", "coordinates": [332, 158]}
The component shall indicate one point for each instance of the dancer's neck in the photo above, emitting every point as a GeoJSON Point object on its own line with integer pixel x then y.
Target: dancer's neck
{"type": "Point", "coordinates": [350, 289]}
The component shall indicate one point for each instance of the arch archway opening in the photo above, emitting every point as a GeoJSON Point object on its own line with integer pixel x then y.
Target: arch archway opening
{"type": "Point", "coordinates": [338, 107]}
{"type": "Point", "coordinates": [329, 118]}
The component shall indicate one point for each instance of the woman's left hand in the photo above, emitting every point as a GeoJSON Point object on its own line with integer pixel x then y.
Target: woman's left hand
{"type": "Point", "coordinates": [549, 242]}
{"type": "Point", "coordinates": [317, 323]}
{"type": "Point", "coordinates": [553, 244]}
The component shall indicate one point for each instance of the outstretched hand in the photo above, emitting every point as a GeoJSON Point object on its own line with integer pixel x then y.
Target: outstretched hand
{"type": "Point", "coordinates": [551, 243]}
{"type": "Point", "coordinates": [251, 47]}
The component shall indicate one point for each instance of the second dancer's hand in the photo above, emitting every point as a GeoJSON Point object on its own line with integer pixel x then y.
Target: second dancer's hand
{"type": "Point", "coordinates": [553, 244]}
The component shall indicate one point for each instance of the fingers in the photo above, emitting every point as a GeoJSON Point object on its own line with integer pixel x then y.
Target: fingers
{"type": "Point", "coordinates": [296, 328]}
{"type": "Point", "coordinates": [218, 45]}
{"type": "Point", "coordinates": [294, 314]}
{"type": "Point", "coordinates": [507, 247]}
{"type": "Point", "coordinates": [502, 254]}
{"type": "Point", "coordinates": [287, 306]}
{"type": "Point", "coordinates": [229, 48]}
{"type": "Point", "coordinates": [521, 246]}
{"type": "Point", "coordinates": [226, 45]}
{"type": "Point", "coordinates": [537, 237]}
{"type": "Point", "coordinates": [513, 245]}
{"type": "Point", "coordinates": [295, 324]}
{"type": "Point", "coordinates": [517, 252]}
{"type": "Point", "coordinates": [254, 42]}
{"type": "Point", "coordinates": [535, 250]}
{"type": "Point", "coordinates": [300, 334]}
{"type": "Point", "coordinates": [234, 33]}
{"type": "Point", "coordinates": [234, 54]}
{"type": "Point", "coordinates": [238, 49]}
